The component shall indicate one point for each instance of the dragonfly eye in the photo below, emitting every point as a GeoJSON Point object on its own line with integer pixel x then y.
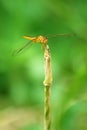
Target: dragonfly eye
{"type": "Point", "coordinates": [45, 40]}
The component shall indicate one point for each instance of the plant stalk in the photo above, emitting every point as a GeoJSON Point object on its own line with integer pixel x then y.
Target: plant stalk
{"type": "Point", "coordinates": [47, 86]}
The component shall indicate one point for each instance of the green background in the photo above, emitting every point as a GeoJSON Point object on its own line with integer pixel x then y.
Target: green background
{"type": "Point", "coordinates": [21, 76]}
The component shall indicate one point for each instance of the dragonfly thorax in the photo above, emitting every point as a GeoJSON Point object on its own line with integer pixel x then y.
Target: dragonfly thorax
{"type": "Point", "coordinates": [41, 39]}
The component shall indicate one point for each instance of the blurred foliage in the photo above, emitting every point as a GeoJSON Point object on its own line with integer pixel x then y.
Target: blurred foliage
{"type": "Point", "coordinates": [32, 127]}
{"type": "Point", "coordinates": [21, 76]}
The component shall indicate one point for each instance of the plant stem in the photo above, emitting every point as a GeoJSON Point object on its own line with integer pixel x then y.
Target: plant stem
{"type": "Point", "coordinates": [47, 120]}
{"type": "Point", "coordinates": [47, 86]}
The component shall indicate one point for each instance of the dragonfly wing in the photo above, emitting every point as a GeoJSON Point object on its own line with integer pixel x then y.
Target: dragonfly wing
{"type": "Point", "coordinates": [66, 34]}
{"type": "Point", "coordinates": [22, 48]}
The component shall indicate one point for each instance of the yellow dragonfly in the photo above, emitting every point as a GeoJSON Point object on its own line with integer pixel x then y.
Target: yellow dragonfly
{"type": "Point", "coordinates": [39, 39]}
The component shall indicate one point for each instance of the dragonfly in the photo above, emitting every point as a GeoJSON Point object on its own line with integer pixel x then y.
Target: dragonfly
{"type": "Point", "coordinates": [39, 39]}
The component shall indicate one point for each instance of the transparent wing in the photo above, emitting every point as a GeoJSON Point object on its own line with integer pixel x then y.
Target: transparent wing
{"type": "Point", "coordinates": [49, 36]}
{"type": "Point", "coordinates": [22, 48]}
